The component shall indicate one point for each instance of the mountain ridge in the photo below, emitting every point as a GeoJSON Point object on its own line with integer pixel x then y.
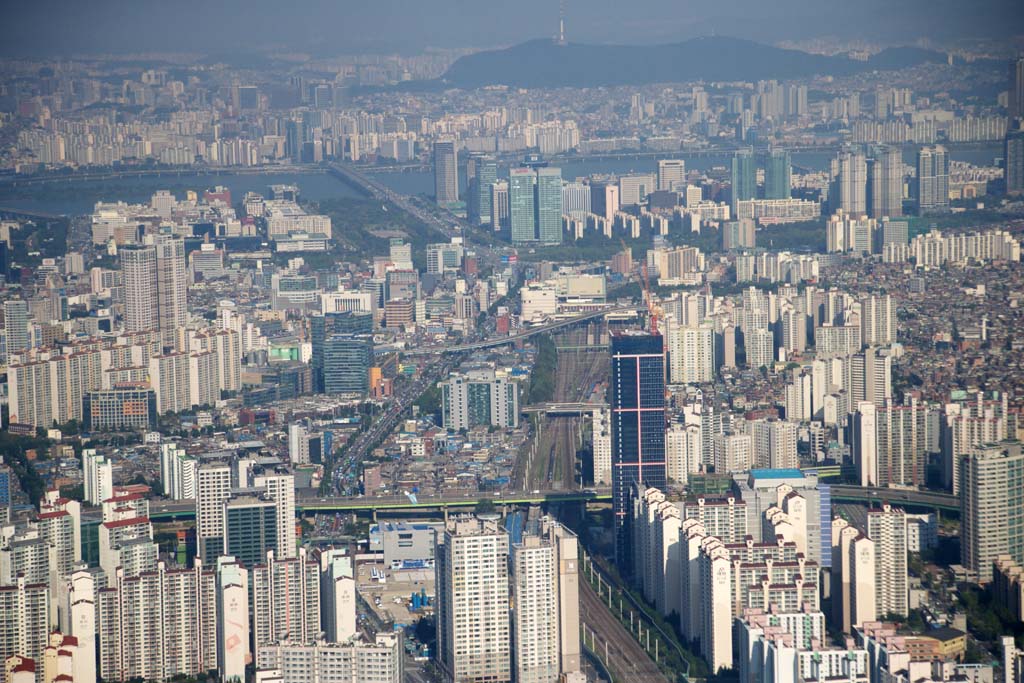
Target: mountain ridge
{"type": "Point", "coordinates": [542, 63]}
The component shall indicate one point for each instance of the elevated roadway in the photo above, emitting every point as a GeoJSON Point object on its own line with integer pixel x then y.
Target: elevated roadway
{"type": "Point", "coordinates": [175, 509]}
{"type": "Point", "coordinates": [500, 341]}
{"type": "Point", "coordinates": [926, 499]}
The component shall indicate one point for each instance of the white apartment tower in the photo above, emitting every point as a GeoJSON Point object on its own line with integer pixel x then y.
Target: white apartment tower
{"type": "Point", "coordinates": [473, 638]}
{"type": "Point", "coordinates": [545, 596]}
{"type": "Point", "coordinates": [887, 527]}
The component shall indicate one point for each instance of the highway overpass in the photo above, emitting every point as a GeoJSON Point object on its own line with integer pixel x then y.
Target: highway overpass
{"type": "Point", "coordinates": [161, 510]}
{"type": "Point", "coordinates": [500, 341]}
{"type": "Point", "coordinates": [937, 500]}
{"type": "Point", "coordinates": [167, 510]}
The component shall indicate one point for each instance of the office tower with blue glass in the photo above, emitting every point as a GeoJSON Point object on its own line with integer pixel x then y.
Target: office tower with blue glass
{"type": "Point", "coordinates": [744, 177]}
{"type": "Point", "coordinates": [446, 172]}
{"type": "Point", "coordinates": [521, 205]}
{"type": "Point", "coordinates": [777, 170]}
{"type": "Point", "coordinates": [637, 398]}
{"type": "Point", "coordinates": [480, 188]}
{"type": "Point", "coordinates": [549, 205]}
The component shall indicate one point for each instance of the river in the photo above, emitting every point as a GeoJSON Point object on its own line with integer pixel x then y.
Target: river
{"type": "Point", "coordinates": [77, 197]}
{"type": "Point", "coordinates": [414, 182]}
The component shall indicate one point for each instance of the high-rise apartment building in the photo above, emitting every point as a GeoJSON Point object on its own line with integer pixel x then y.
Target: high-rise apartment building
{"type": "Point", "coordinates": [671, 174]}
{"type": "Point", "coordinates": [285, 600]}
{"type": "Point", "coordinates": [16, 325]}
{"type": "Point", "coordinates": [637, 398]}
{"type": "Point", "coordinates": [24, 619]}
{"type": "Point", "coordinates": [991, 506]}
{"type": "Point", "coordinates": [690, 353]}
{"type": "Point", "coordinates": [97, 477]}
{"type": "Point", "coordinates": [545, 599]}
{"type": "Point", "coordinates": [877, 320]}
{"type": "Point", "coordinates": [473, 627]}
{"type": "Point", "coordinates": [885, 183]}
{"type": "Point", "coordinates": [479, 397]}
{"type": "Point", "coordinates": [1013, 155]}
{"type": "Point", "coordinates": [280, 487]}
{"type": "Point", "coordinates": [601, 445]}
{"type": "Point", "coordinates": [848, 190]}
{"type": "Point", "coordinates": [887, 527]}
{"type": "Point", "coordinates": [446, 172]}
{"type": "Point", "coordinates": [932, 180]}
{"type": "Point", "coordinates": [777, 170]}
{"type": "Point", "coordinates": [141, 311]}
{"type": "Point", "coordinates": [213, 488]}
{"type": "Point", "coordinates": [774, 444]}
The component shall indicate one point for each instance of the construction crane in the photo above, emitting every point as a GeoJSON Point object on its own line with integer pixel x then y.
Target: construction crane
{"type": "Point", "coordinates": [653, 311]}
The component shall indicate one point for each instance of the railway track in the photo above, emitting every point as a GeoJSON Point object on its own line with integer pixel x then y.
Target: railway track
{"type": "Point", "coordinates": [611, 641]}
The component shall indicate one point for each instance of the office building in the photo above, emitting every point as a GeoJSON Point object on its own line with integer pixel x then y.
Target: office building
{"type": "Point", "coordinates": [991, 506]}
{"type": "Point", "coordinates": [1013, 156]}
{"type": "Point", "coordinates": [885, 183]}
{"type": "Point", "coordinates": [848, 191]}
{"type": "Point", "coordinates": [932, 180]}
{"type": "Point", "coordinates": [887, 527]}
{"type": "Point", "coordinates": [479, 207]}
{"type": "Point", "coordinates": [350, 322]}
{"type": "Point", "coordinates": [1015, 102]}
{"type": "Point", "coordinates": [522, 205]}
{"type": "Point", "coordinates": [499, 206]}
{"type": "Point", "coordinates": [549, 205]}
{"type": "Point", "coordinates": [634, 188]}
{"type": "Point", "coordinates": [604, 198]}
{"type": "Point", "coordinates": [637, 397]}
{"type": "Point", "coordinates": [471, 566]}
{"type": "Point", "coordinates": [479, 397]}
{"type": "Point", "coordinates": [744, 177]}
{"type": "Point", "coordinates": [777, 170]}
{"type": "Point", "coordinates": [545, 600]}
{"type": "Point", "coordinates": [671, 175]}
{"type": "Point", "coordinates": [347, 360]}
{"type": "Point", "coordinates": [250, 527]}
{"type": "Point", "coordinates": [125, 407]}
{"type": "Point", "coordinates": [446, 172]}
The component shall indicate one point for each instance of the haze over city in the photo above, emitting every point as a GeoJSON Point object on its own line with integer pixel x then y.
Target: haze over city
{"type": "Point", "coordinates": [562, 342]}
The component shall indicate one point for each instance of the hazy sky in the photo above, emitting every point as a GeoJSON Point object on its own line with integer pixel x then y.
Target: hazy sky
{"type": "Point", "coordinates": [43, 27]}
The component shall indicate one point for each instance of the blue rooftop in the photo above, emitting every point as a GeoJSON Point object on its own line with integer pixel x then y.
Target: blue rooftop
{"type": "Point", "coordinates": [791, 473]}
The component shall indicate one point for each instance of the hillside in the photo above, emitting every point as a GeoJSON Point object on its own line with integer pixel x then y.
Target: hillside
{"type": "Point", "coordinates": [543, 64]}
